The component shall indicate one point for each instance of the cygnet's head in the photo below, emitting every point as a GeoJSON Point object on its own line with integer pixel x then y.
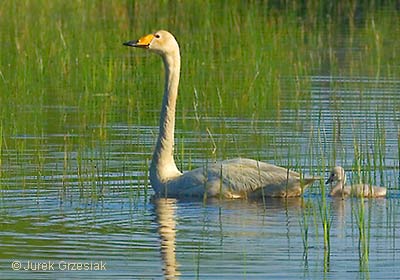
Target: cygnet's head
{"type": "Point", "coordinates": [161, 42]}
{"type": "Point", "coordinates": [337, 175]}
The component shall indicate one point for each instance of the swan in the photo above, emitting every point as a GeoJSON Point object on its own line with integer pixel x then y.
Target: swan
{"type": "Point", "coordinates": [338, 177]}
{"type": "Point", "coordinates": [234, 178]}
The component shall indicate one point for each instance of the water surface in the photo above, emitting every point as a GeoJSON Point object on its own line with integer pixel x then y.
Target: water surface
{"type": "Point", "coordinates": [79, 120]}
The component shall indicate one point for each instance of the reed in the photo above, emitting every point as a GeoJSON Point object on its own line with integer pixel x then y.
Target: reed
{"type": "Point", "coordinates": [57, 77]}
{"type": "Point", "coordinates": [146, 180]}
{"type": "Point", "coordinates": [379, 152]}
{"type": "Point", "coordinates": [1, 150]}
{"type": "Point", "coordinates": [304, 227]}
{"type": "Point", "coordinates": [398, 156]}
{"type": "Point", "coordinates": [324, 209]}
{"type": "Point", "coordinates": [364, 225]}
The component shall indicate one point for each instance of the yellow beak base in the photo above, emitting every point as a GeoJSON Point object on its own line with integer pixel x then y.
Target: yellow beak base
{"type": "Point", "coordinates": [143, 42]}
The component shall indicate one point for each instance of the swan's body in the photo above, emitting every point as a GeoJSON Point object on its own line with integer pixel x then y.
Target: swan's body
{"type": "Point", "coordinates": [236, 178]}
{"type": "Point", "coordinates": [339, 188]}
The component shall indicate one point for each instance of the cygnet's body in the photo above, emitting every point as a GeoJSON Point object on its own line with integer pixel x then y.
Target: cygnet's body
{"type": "Point", "coordinates": [339, 189]}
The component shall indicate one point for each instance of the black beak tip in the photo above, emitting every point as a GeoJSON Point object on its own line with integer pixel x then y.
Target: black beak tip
{"type": "Point", "coordinates": [130, 43]}
{"type": "Point", "coordinates": [328, 181]}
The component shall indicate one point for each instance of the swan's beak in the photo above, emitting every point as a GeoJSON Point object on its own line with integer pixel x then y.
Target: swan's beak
{"type": "Point", "coordinates": [143, 42]}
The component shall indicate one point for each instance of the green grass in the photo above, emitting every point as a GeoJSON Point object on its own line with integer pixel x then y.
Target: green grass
{"type": "Point", "coordinates": [64, 72]}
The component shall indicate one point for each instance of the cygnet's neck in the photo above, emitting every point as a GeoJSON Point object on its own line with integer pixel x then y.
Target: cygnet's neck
{"type": "Point", "coordinates": [163, 166]}
{"type": "Point", "coordinates": [338, 188]}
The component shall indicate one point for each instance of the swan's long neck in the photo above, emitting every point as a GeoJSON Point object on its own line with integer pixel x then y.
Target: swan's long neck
{"type": "Point", "coordinates": [163, 166]}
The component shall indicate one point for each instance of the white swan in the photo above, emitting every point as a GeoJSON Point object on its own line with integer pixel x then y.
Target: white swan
{"type": "Point", "coordinates": [235, 178]}
{"type": "Point", "coordinates": [338, 177]}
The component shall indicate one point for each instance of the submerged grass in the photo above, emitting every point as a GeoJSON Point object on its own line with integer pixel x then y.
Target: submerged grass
{"type": "Point", "coordinates": [364, 225]}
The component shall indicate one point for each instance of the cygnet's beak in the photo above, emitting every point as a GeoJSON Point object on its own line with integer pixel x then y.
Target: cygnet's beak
{"type": "Point", "coordinates": [330, 179]}
{"type": "Point", "coordinates": [143, 42]}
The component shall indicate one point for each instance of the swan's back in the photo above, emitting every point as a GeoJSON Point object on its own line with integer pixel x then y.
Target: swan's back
{"type": "Point", "coordinates": [237, 178]}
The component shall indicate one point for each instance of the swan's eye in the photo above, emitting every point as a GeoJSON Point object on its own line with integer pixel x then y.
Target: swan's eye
{"type": "Point", "coordinates": [157, 36]}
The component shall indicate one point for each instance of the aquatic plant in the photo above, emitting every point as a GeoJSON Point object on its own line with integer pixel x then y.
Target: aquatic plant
{"type": "Point", "coordinates": [55, 80]}
{"type": "Point", "coordinates": [306, 212]}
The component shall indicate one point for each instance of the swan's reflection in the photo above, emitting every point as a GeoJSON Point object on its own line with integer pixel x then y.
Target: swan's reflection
{"type": "Point", "coordinates": [252, 213]}
{"type": "Point", "coordinates": [165, 209]}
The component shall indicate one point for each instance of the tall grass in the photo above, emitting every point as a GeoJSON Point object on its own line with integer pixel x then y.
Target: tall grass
{"type": "Point", "coordinates": [64, 71]}
{"type": "Point", "coordinates": [306, 213]}
{"type": "Point", "coordinates": [324, 209]}
{"type": "Point", "coordinates": [1, 148]}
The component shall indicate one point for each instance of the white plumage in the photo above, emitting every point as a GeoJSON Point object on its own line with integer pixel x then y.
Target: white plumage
{"type": "Point", "coordinates": [338, 180]}
{"type": "Point", "coordinates": [235, 178]}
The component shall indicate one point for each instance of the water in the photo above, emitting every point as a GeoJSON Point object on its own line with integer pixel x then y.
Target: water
{"type": "Point", "coordinates": [244, 239]}
{"type": "Point", "coordinates": [74, 151]}
{"type": "Point", "coordinates": [51, 219]}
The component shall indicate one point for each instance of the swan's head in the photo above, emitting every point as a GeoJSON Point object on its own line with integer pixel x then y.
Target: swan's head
{"type": "Point", "coordinates": [161, 42]}
{"type": "Point", "coordinates": [337, 175]}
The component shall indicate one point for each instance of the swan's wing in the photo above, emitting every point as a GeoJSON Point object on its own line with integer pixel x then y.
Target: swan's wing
{"type": "Point", "coordinates": [239, 178]}
{"type": "Point", "coordinates": [366, 190]}
{"type": "Point", "coordinates": [255, 178]}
